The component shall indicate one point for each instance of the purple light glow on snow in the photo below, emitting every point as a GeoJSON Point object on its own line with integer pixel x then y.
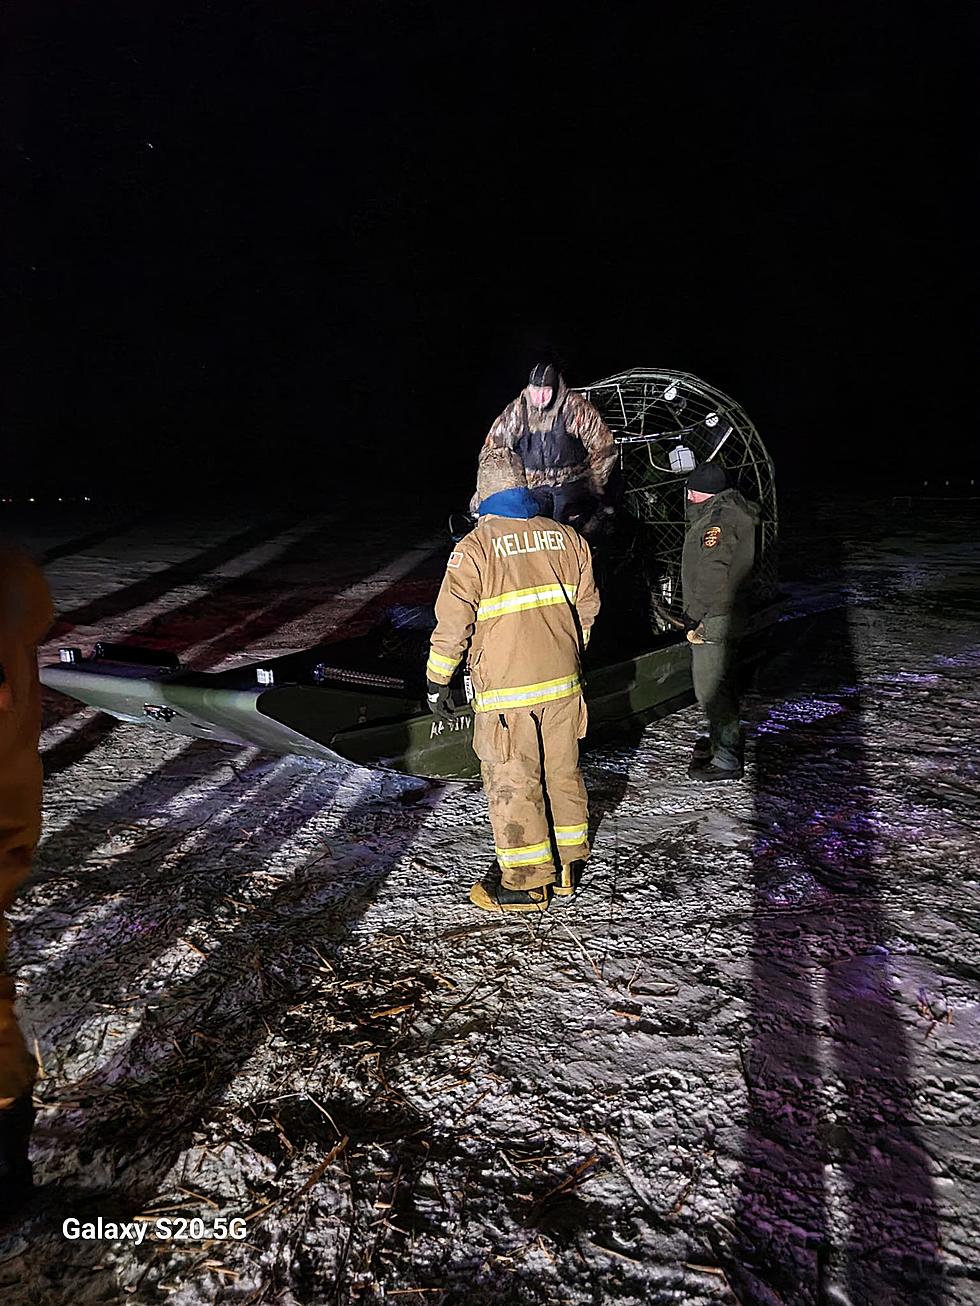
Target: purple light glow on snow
{"type": "Point", "coordinates": [799, 712]}
{"type": "Point", "coordinates": [968, 658]}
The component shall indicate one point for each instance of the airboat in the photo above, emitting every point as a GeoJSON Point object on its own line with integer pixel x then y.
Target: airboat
{"type": "Point", "coordinates": [362, 701]}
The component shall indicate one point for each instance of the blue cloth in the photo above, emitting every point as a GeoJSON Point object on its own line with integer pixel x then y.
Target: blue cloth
{"type": "Point", "coordinates": [511, 503]}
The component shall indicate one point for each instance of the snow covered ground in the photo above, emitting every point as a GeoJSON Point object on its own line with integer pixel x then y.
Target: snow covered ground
{"type": "Point", "coordinates": [741, 1065]}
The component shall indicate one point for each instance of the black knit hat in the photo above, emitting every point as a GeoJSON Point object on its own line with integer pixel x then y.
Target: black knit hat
{"type": "Point", "coordinates": [544, 374]}
{"type": "Point", "coordinates": [708, 478]}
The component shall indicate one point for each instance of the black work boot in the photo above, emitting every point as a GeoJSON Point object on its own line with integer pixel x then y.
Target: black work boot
{"type": "Point", "coordinates": [16, 1173]}
{"type": "Point", "coordinates": [724, 761]}
{"type": "Point", "coordinates": [490, 895]}
{"type": "Point", "coordinates": [701, 752]}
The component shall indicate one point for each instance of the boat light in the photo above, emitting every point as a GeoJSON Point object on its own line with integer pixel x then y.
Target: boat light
{"type": "Point", "coordinates": [323, 672]}
{"type": "Point", "coordinates": [682, 459]}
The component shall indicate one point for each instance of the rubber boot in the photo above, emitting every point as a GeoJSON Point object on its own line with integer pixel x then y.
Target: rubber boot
{"type": "Point", "coordinates": [568, 878]}
{"type": "Point", "coordinates": [16, 1172]}
{"type": "Point", "coordinates": [489, 894]}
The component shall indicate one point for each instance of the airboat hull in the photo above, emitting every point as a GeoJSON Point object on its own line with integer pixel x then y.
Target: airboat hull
{"type": "Point", "coordinates": [380, 730]}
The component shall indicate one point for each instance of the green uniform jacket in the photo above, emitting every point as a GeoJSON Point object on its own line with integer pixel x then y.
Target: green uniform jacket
{"type": "Point", "coordinates": [716, 565]}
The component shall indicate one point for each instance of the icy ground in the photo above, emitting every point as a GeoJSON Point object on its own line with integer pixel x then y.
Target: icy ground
{"type": "Point", "coordinates": [742, 1065]}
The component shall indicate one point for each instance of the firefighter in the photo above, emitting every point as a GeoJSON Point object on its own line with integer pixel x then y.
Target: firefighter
{"type": "Point", "coordinates": [567, 450]}
{"type": "Point", "coordinates": [519, 596]}
{"type": "Point", "coordinates": [716, 566]}
{"type": "Point", "coordinates": [25, 616]}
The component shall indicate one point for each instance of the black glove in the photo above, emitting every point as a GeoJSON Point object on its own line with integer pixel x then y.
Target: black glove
{"type": "Point", "coordinates": [437, 697]}
{"type": "Point", "coordinates": [599, 523]}
{"type": "Point", "coordinates": [460, 524]}
{"type": "Point", "coordinates": [689, 622]}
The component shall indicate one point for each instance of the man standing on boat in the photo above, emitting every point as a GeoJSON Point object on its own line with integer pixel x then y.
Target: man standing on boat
{"type": "Point", "coordinates": [519, 595]}
{"type": "Point", "coordinates": [716, 566]}
{"type": "Point", "coordinates": [25, 616]}
{"type": "Point", "coordinates": [567, 450]}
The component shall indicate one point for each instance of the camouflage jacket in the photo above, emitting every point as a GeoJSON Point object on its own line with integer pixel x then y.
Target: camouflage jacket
{"type": "Point", "coordinates": [582, 421]}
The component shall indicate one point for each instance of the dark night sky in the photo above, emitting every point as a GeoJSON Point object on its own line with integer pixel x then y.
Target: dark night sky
{"type": "Point", "coordinates": [270, 238]}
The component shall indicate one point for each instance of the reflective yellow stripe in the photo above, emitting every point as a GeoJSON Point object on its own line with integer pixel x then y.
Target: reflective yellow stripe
{"type": "Point", "coordinates": [571, 833]}
{"type": "Point", "coordinates": [527, 695]}
{"type": "Point", "coordinates": [533, 852]}
{"type": "Point", "coordinates": [440, 665]}
{"type": "Point", "coordinates": [539, 596]}
{"type": "Point", "coordinates": [585, 636]}
{"type": "Point", "coordinates": [448, 664]}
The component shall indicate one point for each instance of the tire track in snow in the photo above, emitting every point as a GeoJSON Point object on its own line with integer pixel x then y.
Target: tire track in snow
{"type": "Point", "coordinates": [62, 736]}
{"type": "Point", "coordinates": [315, 625]}
{"type": "Point", "coordinates": [116, 618]}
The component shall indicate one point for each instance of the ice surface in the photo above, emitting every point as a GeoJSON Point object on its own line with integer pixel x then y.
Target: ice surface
{"type": "Point", "coordinates": [741, 1065]}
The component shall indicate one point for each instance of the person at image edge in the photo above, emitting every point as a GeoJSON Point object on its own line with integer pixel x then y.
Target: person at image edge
{"type": "Point", "coordinates": [25, 616]}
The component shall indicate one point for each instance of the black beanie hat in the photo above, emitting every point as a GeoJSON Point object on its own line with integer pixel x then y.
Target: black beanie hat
{"type": "Point", "coordinates": [544, 374]}
{"type": "Point", "coordinates": [708, 478]}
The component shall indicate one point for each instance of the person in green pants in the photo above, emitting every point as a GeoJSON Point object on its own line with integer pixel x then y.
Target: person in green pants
{"type": "Point", "coordinates": [716, 566]}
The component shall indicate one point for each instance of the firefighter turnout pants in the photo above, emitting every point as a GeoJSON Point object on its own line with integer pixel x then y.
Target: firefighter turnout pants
{"type": "Point", "coordinates": [538, 805]}
{"type": "Point", "coordinates": [20, 828]}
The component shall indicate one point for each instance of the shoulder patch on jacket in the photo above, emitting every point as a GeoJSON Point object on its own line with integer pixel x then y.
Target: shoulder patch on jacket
{"type": "Point", "coordinates": [455, 558]}
{"type": "Point", "coordinates": [709, 540]}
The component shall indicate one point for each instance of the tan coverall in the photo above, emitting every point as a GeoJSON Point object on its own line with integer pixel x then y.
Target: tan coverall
{"type": "Point", "coordinates": [25, 617]}
{"type": "Point", "coordinates": [520, 595]}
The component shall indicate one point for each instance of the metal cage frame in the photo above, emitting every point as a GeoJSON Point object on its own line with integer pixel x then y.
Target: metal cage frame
{"type": "Point", "coordinates": [655, 414]}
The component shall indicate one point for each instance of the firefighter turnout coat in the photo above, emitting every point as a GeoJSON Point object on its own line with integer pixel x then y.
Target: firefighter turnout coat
{"type": "Point", "coordinates": [520, 599]}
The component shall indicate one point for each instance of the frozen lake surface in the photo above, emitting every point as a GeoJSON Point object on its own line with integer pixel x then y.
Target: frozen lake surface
{"type": "Point", "coordinates": [741, 1065]}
